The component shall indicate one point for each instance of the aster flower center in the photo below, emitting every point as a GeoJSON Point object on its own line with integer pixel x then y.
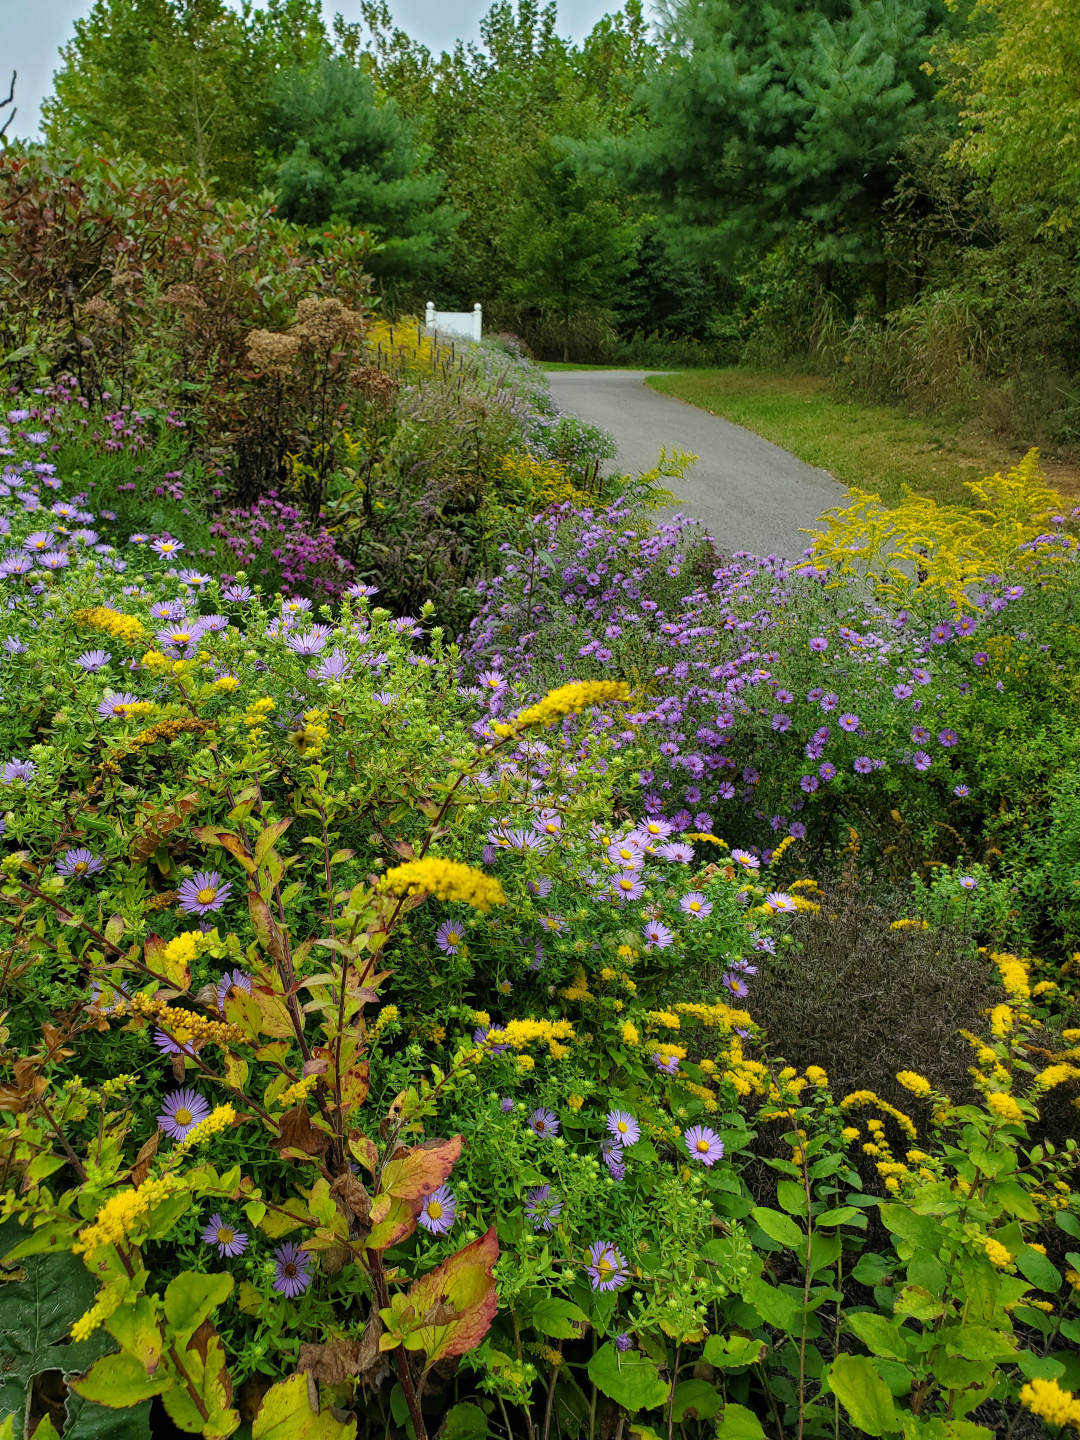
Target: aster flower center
{"type": "Point", "coordinates": [695, 904]}
{"type": "Point", "coordinates": [702, 1146]}
{"type": "Point", "coordinates": [183, 1116]}
{"type": "Point", "coordinates": [290, 1270]}
{"type": "Point", "coordinates": [81, 865]}
{"type": "Point", "coordinates": [225, 1235]}
{"type": "Point", "coordinates": [434, 1210]}
{"type": "Point", "coordinates": [453, 937]}
{"type": "Point", "coordinates": [204, 897]}
{"type": "Point", "coordinates": [605, 1269]}
{"type": "Point", "coordinates": [623, 1128]}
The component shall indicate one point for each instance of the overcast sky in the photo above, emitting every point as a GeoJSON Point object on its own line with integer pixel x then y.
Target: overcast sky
{"type": "Point", "coordinates": [31, 32]}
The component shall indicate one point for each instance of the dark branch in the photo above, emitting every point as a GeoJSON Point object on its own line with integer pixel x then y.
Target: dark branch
{"type": "Point", "coordinates": [10, 98]}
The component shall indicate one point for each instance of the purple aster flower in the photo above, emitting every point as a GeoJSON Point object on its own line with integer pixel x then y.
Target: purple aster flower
{"type": "Point", "coordinates": [450, 937]}
{"type": "Point", "coordinates": [966, 625]}
{"type": "Point", "coordinates": [335, 666]}
{"type": "Point", "coordinates": [704, 1144]}
{"type": "Point", "coordinates": [439, 1211]}
{"type": "Point", "coordinates": [614, 1163]}
{"type": "Point", "coordinates": [183, 1110]}
{"type": "Point", "coordinates": [16, 565]}
{"type": "Point", "coordinates": [138, 538]}
{"type": "Point", "coordinates": [39, 542]}
{"type": "Point", "coordinates": [677, 850]}
{"type": "Point", "coordinates": [18, 770]}
{"type": "Point", "coordinates": [235, 594]}
{"type": "Point", "coordinates": [78, 864]}
{"type": "Point", "coordinates": [623, 1128]}
{"type": "Point", "coordinates": [54, 560]}
{"type": "Point", "coordinates": [968, 882]}
{"type": "Point", "coordinates": [829, 701]}
{"type": "Point", "coordinates": [543, 1207]}
{"type": "Point", "coordinates": [232, 980]}
{"type": "Point", "coordinates": [544, 1123]}
{"type": "Point", "coordinates": [627, 853]}
{"type": "Point", "coordinates": [310, 643]}
{"type": "Point", "coordinates": [506, 1104]}
{"type": "Point", "coordinates": [920, 676]}
{"type": "Point", "coordinates": [14, 646]}
{"type": "Point", "coordinates": [623, 1343]}
{"type": "Point", "coordinates": [193, 577]}
{"type": "Point", "coordinates": [166, 547]}
{"type": "Point", "coordinates": [797, 830]}
{"type": "Point", "coordinates": [948, 738]}
{"type": "Point", "coordinates": [962, 791]}
{"type": "Point", "coordinates": [921, 760]}
{"type": "Point", "coordinates": [540, 887]}
{"type": "Point", "coordinates": [863, 765]}
{"type": "Point", "coordinates": [229, 1241]}
{"type": "Point", "coordinates": [361, 592]}
{"type": "Point", "coordinates": [920, 735]}
{"type": "Point", "coordinates": [819, 643]}
{"type": "Point", "coordinates": [480, 1037]}
{"type": "Point", "coordinates": [655, 827]}
{"type": "Point", "coordinates": [666, 1062]}
{"type": "Point", "coordinates": [781, 903]}
{"type": "Point", "coordinates": [809, 783]}
{"type": "Point", "coordinates": [827, 771]}
{"type": "Point", "coordinates": [628, 887]}
{"type": "Point", "coordinates": [115, 707]}
{"type": "Point", "coordinates": [178, 1043]}
{"type": "Point", "coordinates": [694, 903]}
{"type": "Point", "coordinates": [735, 985]}
{"type": "Point", "coordinates": [725, 791]}
{"type": "Point", "coordinates": [1013, 592]}
{"type": "Point", "coordinates": [781, 722]}
{"type": "Point", "coordinates": [293, 1270]}
{"type": "Point", "coordinates": [181, 634]}
{"type": "Point", "coordinates": [203, 892]}
{"type": "Point", "coordinates": [93, 660]}
{"type": "Point", "coordinates": [980, 657]}
{"type": "Point", "coordinates": [849, 722]}
{"type": "Point", "coordinates": [941, 633]}
{"type": "Point", "coordinates": [746, 860]}
{"type": "Point", "coordinates": [213, 624]}
{"type": "Point", "coordinates": [656, 935]}
{"type": "Point", "coordinates": [491, 680]}
{"type": "Point", "coordinates": [606, 1267]}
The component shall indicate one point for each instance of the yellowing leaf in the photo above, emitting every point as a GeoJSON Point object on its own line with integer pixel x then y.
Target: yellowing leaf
{"type": "Point", "coordinates": [456, 1301]}
{"type": "Point", "coordinates": [286, 1414]}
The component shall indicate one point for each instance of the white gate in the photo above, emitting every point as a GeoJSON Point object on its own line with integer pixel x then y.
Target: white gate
{"type": "Point", "coordinates": [467, 324]}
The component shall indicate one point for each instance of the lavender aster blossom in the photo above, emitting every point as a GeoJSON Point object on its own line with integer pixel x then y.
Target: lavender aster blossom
{"type": "Point", "coordinates": [18, 770]}
{"type": "Point", "coordinates": [229, 1241]}
{"type": "Point", "coordinates": [606, 1266]}
{"type": "Point", "coordinates": [439, 1211]}
{"type": "Point", "coordinates": [657, 934]}
{"type": "Point", "coordinates": [544, 1123]}
{"type": "Point", "coordinates": [335, 666]}
{"type": "Point", "coordinates": [115, 707]}
{"type": "Point", "coordinates": [293, 1270]}
{"type": "Point", "coordinates": [450, 937]}
{"type": "Point", "coordinates": [666, 1062]}
{"type": "Point", "coordinates": [232, 980]}
{"type": "Point", "coordinates": [623, 1343]}
{"type": "Point", "coordinates": [93, 660]}
{"type": "Point", "coordinates": [704, 1144]}
{"type": "Point", "coordinates": [203, 892]}
{"type": "Point", "coordinates": [623, 1128]}
{"type": "Point", "coordinates": [694, 903]}
{"type": "Point", "coordinates": [78, 864]}
{"type": "Point", "coordinates": [543, 1207]}
{"type": "Point", "coordinates": [182, 1111]}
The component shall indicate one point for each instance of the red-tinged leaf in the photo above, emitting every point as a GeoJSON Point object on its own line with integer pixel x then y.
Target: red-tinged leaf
{"type": "Point", "coordinates": [415, 1174]}
{"type": "Point", "coordinates": [355, 1084]}
{"type": "Point", "coordinates": [464, 1283]}
{"type": "Point", "coordinates": [264, 925]}
{"type": "Point", "coordinates": [206, 834]}
{"type": "Point", "coordinates": [364, 1150]}
{"type": "Point", "coordinates": [403, 848]}
{"type": "Point", "coordinates": [391, 1221]}
{"type": "Point", "coordinates": [317, 1065]}
{"type": "Point", "coordinates": [236, 848]}
{"type": "Point", "coordinates": [269, 837]}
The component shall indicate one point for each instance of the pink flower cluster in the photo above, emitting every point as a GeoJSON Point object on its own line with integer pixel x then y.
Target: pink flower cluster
{"type": "Point", "coordinates": [271, 530]}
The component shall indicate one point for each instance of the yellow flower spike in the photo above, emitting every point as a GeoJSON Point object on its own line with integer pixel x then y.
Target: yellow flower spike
{"type": "Point", "coordinates": [1055, 1075]}
{"type": "Point", "coordinates": [566, 700]}
{"type": "Point", "coordinates": [1004, 1107]}
{"type": "Point", "coordinates": [917, 1084]}
{"type": "Point", "coordinates": [1047, 1400]}
{"type": "Point", "coordinates": [111, 622]}
{"type": "Point", "coordinates": [447, 880]}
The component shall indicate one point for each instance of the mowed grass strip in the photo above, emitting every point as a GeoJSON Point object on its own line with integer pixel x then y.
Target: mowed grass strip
{"type": "Point", "coordinates": [874, 447]}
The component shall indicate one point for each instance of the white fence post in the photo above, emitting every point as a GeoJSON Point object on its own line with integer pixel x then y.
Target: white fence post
{"type": "Point", "coordinates": [478, 321]}
{"type": "Point", "coordinates": [429, 315]}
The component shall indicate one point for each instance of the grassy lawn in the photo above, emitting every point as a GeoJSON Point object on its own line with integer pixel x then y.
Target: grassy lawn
{"type": "Point", "coordinates": [875, 447]}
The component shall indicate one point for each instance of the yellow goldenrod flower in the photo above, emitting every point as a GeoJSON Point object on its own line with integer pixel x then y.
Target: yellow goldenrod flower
{"type": "Point", "coordinates": [1055, 1075]}
{"type": "Point", "coordinates": [1014, 975]}
{"type": "Point", "coordinates": [226, 684]}
{"type": "Point", "coordinates": [446, 879]}
{"type": "Point", "coordinates": [665, 1017]}
{"type": "Point", "coordinates": [575, 1101]}
{"type": "Point", "coordinates": [1002, 1020]}
{"type": "Point", "coordinates": [567, 700]}
{"type": "Point", "coordinates": [996, 1253]}
{"type": "Point", "coordinates": [1005, 1107]}
{"type": "Point", "coordinates": [630, 1034]}
{"type": "Point", "coordinates": [111, 622]}
{"type": "Point", "coordinates": [917, 1084]}
{"type": "Point", "coordinates": [1047, 1400]}
{"type": "Point", "coordinates": [850, 1133]}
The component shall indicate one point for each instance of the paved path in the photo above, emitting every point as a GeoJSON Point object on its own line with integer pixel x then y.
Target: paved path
{"type": "Point", "coordinates": [750, 494]}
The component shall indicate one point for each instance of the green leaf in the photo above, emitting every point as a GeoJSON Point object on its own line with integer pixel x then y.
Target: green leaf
{"type": "Point", "coordinates": [779, 1227]}
{"type": "Point", "coordinates": [87, 1421]}
{"type": "Point", "coordinates": [1014, 1198]}
{"type": "Point", "coordinates": [979, 1342]}
{"type": "Point", "coordinates": [728, 1352]}
{"type": "Point", "coordinates": [119, 1381]}
{"type": "Point", "coordinates": [559, 1318]}
{"type": "Point", "coordinates": [870, 1268]}
{"type": "Point", "coordinates": [791, 1195]}
{"type": "Point", "coordinates": [1034, 1266]}
{"type": "Point", "coordinates": [739, 1424]}
{"type": "Point", "coordinates": [913, 1300]}
{"type": "Point", "coordinates": [630, 1380]}
{"type": "Point", "coordinates": [921, 1230]}
{"type": "Point", "coordinates": [285, 1414]}
{"type": "Point", "coordinates": [878, 1335]}
{"type": "Point", "coordinates": [464, 1422]}
{"type": "Point", "coordinates": [1070, 1223]}
{"type": "Point", "coordinates": [191, 1297]}
{"type": "Point", "coordinates": [36, 1315]}
{"type": "Point", "coordinates": [845, 1215]}
{"type": "Point", "coordinates": [774, 1306]}
{"type": "Point", "coordinates": [1040, 1367]}
{"type": "Point", "coordinates": [465, 1286]}
{"type": "Point", "coordinates": [697, 1398]}
{"type": "Point", "coordinates": [953, 1372]}
{"type": "Point", "coordinates": [864, 1395]}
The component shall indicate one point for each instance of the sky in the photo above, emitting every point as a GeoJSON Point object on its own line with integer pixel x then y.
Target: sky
{"type": "Point", "coordinates": [31, 32]}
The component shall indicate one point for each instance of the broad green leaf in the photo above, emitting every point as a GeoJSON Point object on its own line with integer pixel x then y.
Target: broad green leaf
{"type": "Point", "coordinates": [739, 1424]}
{"type": "Point", "coordinates": [191, 1297]}
{"type": "Point", "coordinates": [979, 1342]}
{"type": "Point", "coordinates": [36, 1316]}
{"type": "Point", "coordinates": [878, 1335]}
{"type": "Point", "coordinates": [727, 1352]}
{"type": "Point", "coordinates": [923, 1231]}
{"type": "Point", "coordinates": [464, 1422]}
{"type": "Point", "coordinates": [286, 1414]}
{"type": "Point", "coordinates": [1034, 1266]}
{"type": "Point", "coordinates": [1041, 1367]}
{"type": "Point", "coordinates": [913, 1300]}
{"type": "Point", "coordinates": [791, 1196]}
{"type": "Point", "coordinates": [845, 1215]}
{"type": "Point", "coordinates": [774, 1306]}
{"type": "Point", "coordinates": [1014, 1198]}
{"type": "Point", "coordinates": [1065, 1220]}
{"type": "Point", "coordinates": [631, 1380]}
{"type": "Point", "coordinates": [463, 1288]}
{"type": "Point", "coordinates": [779, 1227]}
{"type": "Point", "coordinates": [558, 1318]}
{"type": "Point", "coordinates": [864, 1395]}
{"type": "Point", "coordinates": [953, 1372]}
{"type": "Point", "coordinates": [119, 1381]}
{"type": "Point", "coordinates": [87, 1421]}
{"type": "Point", "coordinates": [696, 1398]}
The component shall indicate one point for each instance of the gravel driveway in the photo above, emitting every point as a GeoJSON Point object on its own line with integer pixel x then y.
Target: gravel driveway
{"type": "Point", "coordinates": [750, 494]}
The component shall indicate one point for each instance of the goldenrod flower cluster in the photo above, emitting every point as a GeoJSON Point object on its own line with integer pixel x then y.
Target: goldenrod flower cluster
{"type": "Point", "coordinates": [995, 1252]}
{"type": "Point", "coordinates": [704, 1094]}
{"type": "Point", "coordinates": [917, 1084]}
{"type": "Point", "coordinates": [910, 925]}
{"type": "Point", "coordinates": [111, 622]}
{"type": "Point", "coordinates": [300, 1091]}
{"type": "Point", "coordinates": [578, 989]}
{"type": "Point", "coordinates": [116, 1219]}
{"type": "Point", "coordinates": [86, 1324]}
{"type": "Point", "coordinates": [858, 1098]}
{"type": "Point", "coordinates": [1002, 1020]}
{"type": "Point", "coordinates": [222, 1117]}
{"type": "Point", "coordinates": [1005, 1107]}
{"type": "Point", "coordinates": [448, 880]}
{"type": "Point", "coordinates": [1055, 1075]}
{"type": "Point", "coordinates": [567, 700]}
{"type": "Point", "coordinates": [1047, 1400]}
{"type": "Point", "coordinates": [387, 1015]}
{"type": "Point", "coordinates": [257, 712]}
{"type": "Point", "coordinates": [630, 1035]}
{"type": "Point", "coordinates": [666, 1018]}
{"type": "Point", "coordinates": [226, 684]}
{"type": "Point", "coordinates": [817, 1076]}
{"type": "Point", "coordinates": [182, 1023]}
{"type": "Point", "coordinates": [117, 1085]}
{"type": "Point", "coordinates": [1014, 975]}
{"type": "Point", "coordinates": [519, 1033]}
